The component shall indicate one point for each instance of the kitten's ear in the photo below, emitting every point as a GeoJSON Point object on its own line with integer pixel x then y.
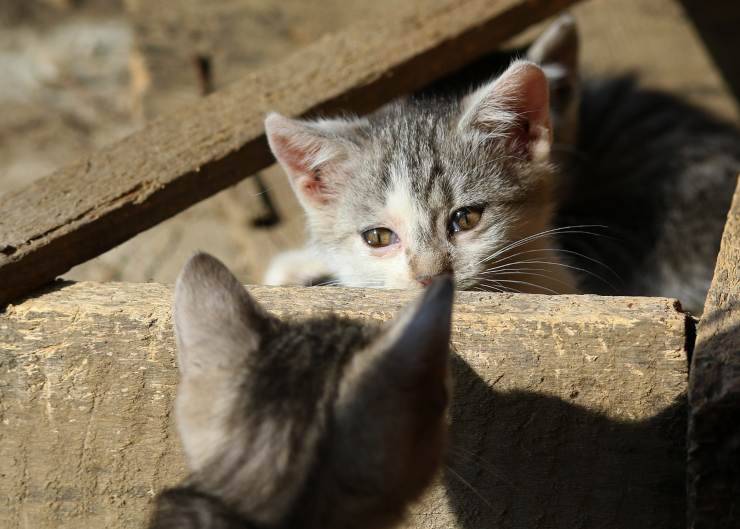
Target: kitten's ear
{"type": "Point", "coordinates": [393, 397]}
{"type": "Point", "coordinates": [217, 326]}
{"type": "Point", "coordinates": [312, 153]}
{"type": "Point", "coordinates": [558, 46]}
{"type": "Point", "coordinates": [417, 342]}
{"type": "Point", "coordinates": [557, 52]}
{"type": "Point", "coordinates": [411, 354]}
{"type": "Point", "coordinates": [217, 323]}
{"type": "Point", "coordinates": [514, 106]}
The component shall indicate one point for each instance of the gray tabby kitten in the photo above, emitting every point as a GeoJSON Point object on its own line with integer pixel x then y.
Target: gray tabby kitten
{"type": "Point", "coordinates": [630, 197]}
{"type": "Point", "coordinates": [428, 186]}
{"type": "Point", "coordinates": [323, 423]}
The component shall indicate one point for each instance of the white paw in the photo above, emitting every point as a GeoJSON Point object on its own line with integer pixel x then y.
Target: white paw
{"type": "Point", "coordinates": [296, 267]}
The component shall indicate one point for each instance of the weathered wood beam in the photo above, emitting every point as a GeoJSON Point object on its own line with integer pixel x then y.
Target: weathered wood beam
{"type": "Point", "coordinates": [130, 186]}
{"type": "Point", "coordinates": [569, 411]}
{"type": "Point", "coordinates": [714, 393]}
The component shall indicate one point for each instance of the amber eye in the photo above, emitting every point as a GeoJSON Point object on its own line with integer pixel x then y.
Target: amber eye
{"type": "Point", "coordinates": [379, 237]}
{"type": "Point", "coordinates": [465, 218]}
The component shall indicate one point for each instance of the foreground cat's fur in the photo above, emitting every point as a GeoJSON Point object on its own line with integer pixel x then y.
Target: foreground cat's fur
{"type": "Point", "coordinates": [323, 423]}
{"type": "Point", "coordinates": [647, 176]}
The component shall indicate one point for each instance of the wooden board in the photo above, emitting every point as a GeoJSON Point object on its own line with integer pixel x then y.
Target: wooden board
{"type": "Point", "coordinates": [569, 411]}
{"type": "Point", "coordinates": [99, 202]}
{"type": "Point", "coordinates": [714, 393]}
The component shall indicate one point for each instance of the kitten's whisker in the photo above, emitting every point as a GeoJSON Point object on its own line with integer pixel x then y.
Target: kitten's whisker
{"type": "Point", "coordinates": [528, 273]}
{"type": "Point", "coordinates": [561, 250]}
{"type": "Point", "coordinates": [486, 466]}
{"type": "Point", "coordinates": [511, 267]}
{"type": "Point", "coordinates": [493, 283]}
{"type": "Point", "coordinates": [593, 260]}
{"type": "Point", "coordinates": [549, 290]}
{"type": "Point", "coordinates": [571, 267]}
{"type": "Point", "coordinates": [497, 288]}
{"type": "Point", "coordinates": [467, 484]}
{"type": "Point", "coordinates": [562, 230]}
{"type": "Point", "coordinates": [541, 235]}
{"type": "Point", "coordinates": [503, 262]}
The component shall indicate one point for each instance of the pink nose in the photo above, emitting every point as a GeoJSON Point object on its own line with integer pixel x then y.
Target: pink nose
{"type": "Point", "coordinates": [425, 280]}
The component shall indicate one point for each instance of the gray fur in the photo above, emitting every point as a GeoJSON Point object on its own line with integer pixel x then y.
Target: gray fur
{"type": "Point", "coordinates": [636, 184]}
{"type": "Point", "coordinates": [410, 165]}
{"type": "Point", "coordinates": [323, 423]}
{"type": "Point", "coordinates": [659, 174]}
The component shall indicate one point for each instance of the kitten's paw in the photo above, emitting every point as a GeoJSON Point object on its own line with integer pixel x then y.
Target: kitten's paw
{"type": "Point", "coordinates": [297, 267]}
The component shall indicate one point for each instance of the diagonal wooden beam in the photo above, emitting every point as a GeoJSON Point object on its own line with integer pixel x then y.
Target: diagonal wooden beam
{"type": "Point", "coordinates": [101, 201]}
{"type": "Point", "coordinates": [714, 393]}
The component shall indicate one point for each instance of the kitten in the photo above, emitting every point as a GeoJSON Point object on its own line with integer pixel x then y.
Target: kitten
{"type": "Point", "coordinates": [323, 423]}
{"type": "Point", "coordinates": [472, 184]}
{"type": "Point", "coordinates": [429, 186]}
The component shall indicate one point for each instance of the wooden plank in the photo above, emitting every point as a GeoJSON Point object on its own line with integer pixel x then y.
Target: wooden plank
{"type": "Point", "coordinates": [714, 393]}
{"type": "Point", "coordinates": [569, 411]}
{"type": "Point", "coordinates": [107, 198]}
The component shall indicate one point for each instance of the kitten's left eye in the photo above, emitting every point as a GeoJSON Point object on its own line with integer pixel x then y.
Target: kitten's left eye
{"type": "Point", "coordinates": [379, 237]}
{"type": "Point", "coordinates": [465, 218]}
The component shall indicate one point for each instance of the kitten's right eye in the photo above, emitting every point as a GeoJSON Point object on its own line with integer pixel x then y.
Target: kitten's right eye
{"type": "Point", "coordinates": [379, 237]}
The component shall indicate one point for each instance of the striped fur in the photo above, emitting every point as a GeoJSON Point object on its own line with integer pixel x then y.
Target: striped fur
{"type": "Point", "coordinates": [648, 176]}
{"type": "Point", "coordinates": [323, 423]}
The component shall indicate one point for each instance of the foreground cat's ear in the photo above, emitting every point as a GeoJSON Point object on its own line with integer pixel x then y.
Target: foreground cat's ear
{"type": "Point", "coordinates": [217, 323]}
{"type": "Point", "coordinates": [312, 153]}
{"type": "Point", "coordinates": [514, 106]}
{"type": "Point", "coordinates": [557, 52]}
{"type": "Point", "coordinates": [217, 326]}
{"type": "Point", "coordinates": [410, 356]}
{"type": "Point", "coordinates": [392, 399]}
{"type": "Point", "coordinates": [418, 340]}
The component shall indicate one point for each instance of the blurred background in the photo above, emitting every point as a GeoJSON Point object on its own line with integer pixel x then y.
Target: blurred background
{"type": "Point", "coordinates": [78, 74]}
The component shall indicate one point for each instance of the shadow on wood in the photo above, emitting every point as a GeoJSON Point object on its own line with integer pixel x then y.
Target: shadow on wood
{"type": "Point", "coordinates": [714, 462]}
{"type": "Point", "coordinates": [527, 460]}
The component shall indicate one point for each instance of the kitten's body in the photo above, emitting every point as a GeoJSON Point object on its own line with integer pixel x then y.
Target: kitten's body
{"type": "Point", "coordinates": [322, 423]}
{"type": "Point", "coordinates": [659, 174]}
{"type": "Point", "coordinates": [649, 178]}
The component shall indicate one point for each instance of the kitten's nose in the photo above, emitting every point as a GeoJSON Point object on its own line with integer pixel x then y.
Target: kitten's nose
{"type": "Point", "coordinates": [427, 280]}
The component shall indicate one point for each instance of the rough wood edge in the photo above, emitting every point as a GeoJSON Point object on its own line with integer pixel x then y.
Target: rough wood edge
{"type": "Point", "coordinates": [713, 477]}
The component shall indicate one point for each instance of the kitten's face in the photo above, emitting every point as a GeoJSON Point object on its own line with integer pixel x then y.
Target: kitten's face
{"type": "Point", "coordinates": [328, 421]}
{"type": "Point", "coordinates": [425, 187]}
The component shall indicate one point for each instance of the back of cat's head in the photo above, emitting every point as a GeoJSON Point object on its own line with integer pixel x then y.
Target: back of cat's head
{"type": "Point", "coordinates": [326, 421]}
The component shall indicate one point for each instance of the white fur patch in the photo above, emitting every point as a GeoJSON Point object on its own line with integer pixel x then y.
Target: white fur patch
{"type": "Point", "coordinates": [296, 267]}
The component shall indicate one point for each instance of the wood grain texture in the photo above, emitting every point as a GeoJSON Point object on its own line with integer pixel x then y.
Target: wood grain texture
{"type": "Point", "coordinates": [568, 411]}
{"type": "Point", "coordinates": [99, 202]}
{"type": "Point", "coordinates": [714, 393]}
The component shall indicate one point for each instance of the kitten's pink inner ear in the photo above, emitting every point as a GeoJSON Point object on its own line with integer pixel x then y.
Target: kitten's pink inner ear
{"type": "Point", "coordinates": [526, 86]}
{"type": "Point", "coordinates": [521, 94]}
{"type": "Point", "coordinates": [299, 152]}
